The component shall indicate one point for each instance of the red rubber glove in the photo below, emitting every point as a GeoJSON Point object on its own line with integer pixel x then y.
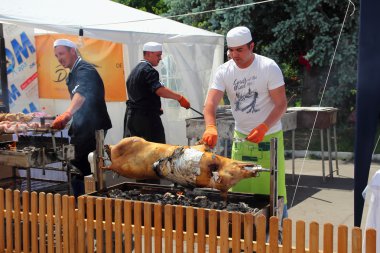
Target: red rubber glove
{"type": "Point", "coordinates": [210, 136]}
{"type": "Point", "coordinates": [61, 121]}
{"type": "Point", "coordinates": [257, 134]}
{"type": "Point", "coordinates": [184, 102]}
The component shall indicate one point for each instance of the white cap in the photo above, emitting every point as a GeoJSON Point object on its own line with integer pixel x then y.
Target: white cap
{"type": "Point", "coordinates": [64, 42]}
{"type": "Point", "coordinates": [238, 36]}
{"type": "Point", "coordinates": [152, 47]}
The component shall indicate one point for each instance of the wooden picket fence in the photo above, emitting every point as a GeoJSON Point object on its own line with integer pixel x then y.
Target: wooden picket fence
{"type": "Point", "coordinates": [42, 222]}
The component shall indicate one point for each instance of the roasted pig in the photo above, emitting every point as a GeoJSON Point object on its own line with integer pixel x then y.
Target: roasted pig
{"type": "Point", "coordinates": [192, 166]}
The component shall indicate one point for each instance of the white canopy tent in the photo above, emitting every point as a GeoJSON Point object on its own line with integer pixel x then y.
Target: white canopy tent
{"type": "Point", "coordinates": [190, 54]}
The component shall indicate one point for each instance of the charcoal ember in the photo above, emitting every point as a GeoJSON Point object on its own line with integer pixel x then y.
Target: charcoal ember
{"type": "Point", "coordinates": [169, 195]}
{"type": "Point", "coordinates": [241, 207]}
{"type": "Point", "coordinates": [147, 197]}
{"type": "Point", "coordinates": [202, 201]}
{"type": "Point", "coordinates": [183, 198]}
{"type": "Point", "coordinates": [116, 193]}
{"type": "Point", "coordinates": [219, 205]}
{"type": "Point", "coordinates": [134, 192]}
{"type": "Point", "coordinates": [168, 199]}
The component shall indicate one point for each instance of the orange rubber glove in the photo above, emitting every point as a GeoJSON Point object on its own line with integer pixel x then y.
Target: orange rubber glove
{"type": "Point", "coordinates": [257, 134]}
{"type": "Point", "coordinates": [184, 102]}
{"type": "Point", "coordinates": [210, 136]}
{"type": "Point", "coordinates": [61, 121]}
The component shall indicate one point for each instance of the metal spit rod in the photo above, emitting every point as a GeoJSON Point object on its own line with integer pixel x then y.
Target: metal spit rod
{"type": "Point", "coordinates": [273, 199]}
{"type": "Point", "coordinates": [99, 153]}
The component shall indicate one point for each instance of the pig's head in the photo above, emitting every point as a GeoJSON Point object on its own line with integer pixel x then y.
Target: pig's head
{"type": "Point", "coordinates": [231, 172]}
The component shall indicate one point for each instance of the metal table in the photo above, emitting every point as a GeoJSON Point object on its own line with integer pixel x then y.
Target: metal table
{"type": "Point", "coordinates": [324, 119]}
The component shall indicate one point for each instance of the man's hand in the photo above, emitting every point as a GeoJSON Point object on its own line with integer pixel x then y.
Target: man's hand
{"type": "Point", "coordinates": [257, 134]}
{"type": "Point", "coordinates": [210, 136]}
{"type": "Point", "coordinates": [184, 102]}
{"type": "Point", "coordinates": [61, 121]}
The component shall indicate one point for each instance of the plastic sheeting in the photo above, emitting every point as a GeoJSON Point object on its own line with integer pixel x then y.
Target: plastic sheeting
{"type": "Point", "coordinates": [373, 217]}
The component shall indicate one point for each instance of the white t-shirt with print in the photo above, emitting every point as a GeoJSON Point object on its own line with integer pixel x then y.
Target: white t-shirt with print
{"type": "Point", "coordinates": [248, 91]}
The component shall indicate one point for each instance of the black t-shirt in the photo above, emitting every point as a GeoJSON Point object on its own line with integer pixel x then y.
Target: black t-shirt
{"type": "Point", "coordinates": [142, 84]}
{"type": "Point", "coordinates": [93, 114]}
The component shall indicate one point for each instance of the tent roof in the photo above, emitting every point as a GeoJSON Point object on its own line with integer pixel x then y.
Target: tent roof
{"type": "Point", "coordinates": [101, 19]}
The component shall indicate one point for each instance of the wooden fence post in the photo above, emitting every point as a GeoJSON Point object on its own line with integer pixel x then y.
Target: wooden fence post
{"type": "Point", "coordinates": [273, 234]}
{"type": "Point", "coordinates": [42, 222]}
{"type": "Point", "coordinates": [168, 228]}
{"type": "Point", "coordinates": [356, 240]}
{"type": "Point", "coordinates": [189, 229]}
{"type": "Point", "coordinates": [137, 222]}
{"type": "Point", "coordinates": [260, 223]}
{"type": "Point", "coordinates": [328, 235]}
{"type": "Point", "coordinates": [342, 239]}
{"type": "Point", "coordinates": [224, 232]}
{"type": "Point", "coordinates": [81, 225]}
{"type": "Point", "coordinates": [2, 235]}
{"type": "Point", "coordinates": [90, 224]}
{"type": "Point", "coordinates": [157, 228]}
{"type": "Point", "coordinates": [108, 224]}
{"type": "Point", "coordinates": [128, 226]}
{"type": "Point", "coordinates": [17, 220]}
{"type": "Point", "coordinates": [300, 237]}
{"type": "Point", "coordinates": [34, 222]}
{"type": "Point", "coordinates": [248, 232]}
{"type": "Point", "coordinates": [287, 236]}
{"type": "Point", "coordinates": [118, 226]}
{"type": "Point", "coordinates": [72, 225]}
{"type": "Point", "coordinates": [236, 232]}
{"type": "Point", "coordinates": [25, 222]}
{"type": "Point", "coordinates": [50, 222]}
{"type": "Point", "coordinates": [58, 223]}
{"type": "Point", "coordinates": [201, 230]}
{"type": "Point", "coordinates": [370, 241]}
{"type": "Point", "coordinates": [99, 224]}
{"type": "Point", "coordinates": [213, 226]}
{"type": "Point", "coordinates": [8, 219]}
{"type": "Point", "coordinates": [179, 229]}
{"type": "Point", "coordinates": [65, 223]}
{"type": "Point", "coordinates": [147, 227]}
{"type": "Point", "coordinates": [314, 237]}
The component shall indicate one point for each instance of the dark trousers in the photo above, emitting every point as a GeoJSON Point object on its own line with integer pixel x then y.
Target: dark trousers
{"type": "Point", "coordinates": [83, 146]}
{"type": "Point", "coordinates": [147, 125]}
{"type": "Point", "coordinates": [144, 124]}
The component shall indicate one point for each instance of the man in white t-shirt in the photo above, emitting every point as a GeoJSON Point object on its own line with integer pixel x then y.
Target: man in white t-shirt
{"type": "Point", "coordinates": [256, 90]}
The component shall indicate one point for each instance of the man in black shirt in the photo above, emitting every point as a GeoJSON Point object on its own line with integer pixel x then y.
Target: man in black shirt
{"type": "Point", "coordinates": [87, 108]}
{"type": "Point", "coordinates": [142, 116]}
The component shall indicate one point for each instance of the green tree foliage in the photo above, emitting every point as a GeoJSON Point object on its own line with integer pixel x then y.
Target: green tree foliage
{"type": "Point", "coordinates": [153, 6]}
{"type": "Point", "coordinates": [295, 33]}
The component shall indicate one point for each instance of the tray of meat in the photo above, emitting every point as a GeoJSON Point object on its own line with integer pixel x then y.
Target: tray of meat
{"type": "Point", "coordinates": [16, 123]}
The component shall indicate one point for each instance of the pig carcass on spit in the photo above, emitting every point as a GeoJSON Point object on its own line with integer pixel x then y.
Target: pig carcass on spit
{"type": "Point", "coordinates": [189, 166]}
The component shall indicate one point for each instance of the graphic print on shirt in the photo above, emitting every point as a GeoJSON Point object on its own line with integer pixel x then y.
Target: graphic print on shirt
{"type": "Point", "coordinates": [246, 95]}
